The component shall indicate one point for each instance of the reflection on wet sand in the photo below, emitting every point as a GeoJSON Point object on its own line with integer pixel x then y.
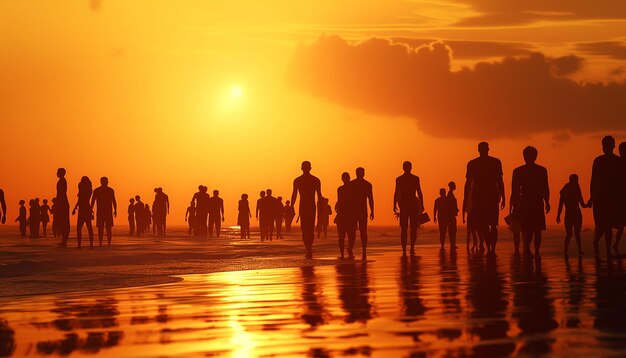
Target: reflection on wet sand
{"type": "Point", "coordinates": [436, 304]}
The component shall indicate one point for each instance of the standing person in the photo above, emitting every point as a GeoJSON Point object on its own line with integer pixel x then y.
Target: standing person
{"type": "Point", "coordinates": [621, 219]}
{"type": "Point", "coordinates": [55, 231]}
{"type": "Point", "coordinates": [345, 218]}
{"type": "Point", "coordinates": [22, 219]}
{"type": "Point", "coordinates": [3, 207]}
{"type": "Point", "coordinates": [260, 215]}
{"type": "Point", "coordinates": [485, 189]}
{"type": "Point", "coordinates": [216, 213]}
{"type": "Point", "coordinates": [442, 214]}
{"type": "Point", "coordinates": [190, 217]}
{"type": "Point", "coordinates": [278, 217]}
{"type": "Point", "coordinates": [160, 210]}
{"type": "Point", "coordinates": [85, 213]}
{"type": "Point", "coordinates": [268, 217]}
{"type": "Point", "coordinates": [572, 199]}
{"type": "Point", "coordinates": [131, 216]}
{"type": "Point", "coordinates": [62, 208]}
{"type": "Point", "coordinates": [202, 210]}
{"type": "Point", "coordinates": [454, 209]}
{"type": "Point", "coordinates": [323, 217]}
{"type": "Point", "coordinates": [408, 196]}
{"type": "Point", "coordinates": [34, 218]}
{"type": "Point", "coordinates": [362, 195]}
{"type": "Point", "coordinates": [37, 216]}
{"type": "Point", "coordinates": [147, 216]}
{"type": "Point", "coordinates": [140, 213]}
{"type": "Point", "coordinates": [104, 197]}
{"type": "Point", "coordinates": [605, 175]}
{"type": "Point", "coordinates": [530, 196]}
{"type": "Point", "coordinates": [290, 213]}
{"type": "Point", "coordinates": [45, 217]}
{"type": "Point", "coordinates": [308, 186]}
{"type": "Point", "coordinates": [243, 218]}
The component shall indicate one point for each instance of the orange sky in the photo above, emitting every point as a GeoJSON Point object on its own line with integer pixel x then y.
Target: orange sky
{"type": "Point", "coordinates": [141, 91]}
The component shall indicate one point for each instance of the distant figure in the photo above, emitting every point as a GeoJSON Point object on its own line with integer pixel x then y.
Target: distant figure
{"type": "Point", "coordinates": [308, 186]}
{"type": "Point", "coordinates": [345, 218]}
{"type": "Point", "coordinates": [216, 213]}
{"type": "Point", "coordinates": [55, 231]}
{"type": "Point", "coordinates": [62, 208]}
{"type": "Point", "coordinates": [605, 177]}
{"type": "Point", "coordinates": [484, 189]}
{"type": "Point", "coordinates": [202, 210]}
{"type": "Point", "coordinates": [147, 216]}
{"type": "Point", "coordinates": [362, 195]}
{"type": "Point", "coordinates": [131, 216]}
{"type": "Point", "coordinates": [324, 212]}
{"type": "Point", "coordinates": [572, 199]}
{"type": "Point", "coordinates": [621, 220]}
{"type": "Point", "coordinates": [34, 218]}
{"type": "Point", "coordinates": [290, 213]}
{"type": "Point", "coordinates": [3, 207]}
{"type": "Point", "coordinates": [106, 208]}
{"type": "Point", "coordinates": [85, 213]}
{"type": "Point", "coordinates": [444, 214]}
{"type": "Point", "coordinates": [530, 198]}
{"type": "Point", "coordinates": [261, 211]}
{"type": "Point", "coordinates": [190, 217]}
{"type": "Point", "coordinates": [278, 216]}
{"type": "Point", "coordinates": [22, 219]}
{"type": "Point", "coordinates": [270, 207]}
{"type": "Point", "coordinates": [408, 196]}
{"type": "Point", "coordinates": [470, 229]}
{"type": "Point", "coordinates": [243, 218]}
{"type": "Point", "coordinates": [45, 217]}
{"type": "Point", "coordinates": [140, 213]}
{"type": "Point", "coordinates": [160, 210]}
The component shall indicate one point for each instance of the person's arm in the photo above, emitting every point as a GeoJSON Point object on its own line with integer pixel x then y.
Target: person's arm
{"type": "Point", "coordinates": [3, 204]}
{"type": "Point", "coordinates": [167, 203]}
{"type": "Point", "coordinates": [93, 200]}
{"type": "Point", "coordinates": [74, 210]}
{"type": "Point", "coordinates": [581, 200]}
{"type": "Point", "coordinates": [337, 202]}
{"type": "Point", "coordinates": [114, 204]}
{"type": "Point", "coordinates": [370, 198]}
{"type": "Point", "coordinates": [594, 183]}
{"type": "Point", "coordinates": [395, 198]}
{"type": "Point", "coordinates": [318, 189]}
{"type": "Point", "coordinates": [515, 189]}
{"type": "Point", "coordinates": [435, 210]}
{"type": "Point", "coordinates": [467, 190]}
{"type": "Point", "coordinates": [294, 193]}
{"type": "Point", "coordinates": [463, 210]}
{"type": "Point", "coordinates": [257, 209]}
{"type": "Point", "coordinates": [420, 196]}
{"type": "Point", "coordinates": [222, 209]}
{"type": "Point", "coordinates": [546, 191]}
{"type": "Point", "coordinates": [560, 209]}
{"type": "Point", "coordinates": [502, 192]}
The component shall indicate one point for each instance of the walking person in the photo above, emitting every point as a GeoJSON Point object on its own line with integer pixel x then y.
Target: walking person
{"type": "Point", "coordinates": [444, 214]}
{"type": "Point", "coordinates": [243, 218]}
{"type": "Point", "coordinates": [362, 194]}
{"type": "Point", "coordinates": [106, 209]}
{"type": "Point", "coordinates": [216, 213]}
{"type": "Point", "coordinates": [131, 216]}
{"type": "Point", "coordinates": [160, 210]}
{"type": "Point", "coordinates": [324, 212]}
{"type": "Point", "coordinates": [55, 230]}
{"type": "Point", "coordinates": [85, 212]}
{"type": "Point", "coordinates": [571, 198]}
{"type": "Point", "coordinates": [190, 217]}
{"type": "Point", "coordinates": [345, 218]}
{"type": "Point", "coordinates": [278, 217]}
{"type": "Point", "coordinates": [140, 214]}
{"type": "Point", "coordinates": [62, 208]}
{"type": "Point", "coordinates": [22, 219]}
{"type": "Point", "coordinates": [308, 186]}
{"type": "Point", "coordinates": [202, 210]}
{"type": "Point", "coordinates": [45, 217]}
{"type": "Point", "coordinates": [410, 200]}
{"type": "Point", "coordinates": [290, 214]}
{"type": "Point", "coordinates": [34, 218]}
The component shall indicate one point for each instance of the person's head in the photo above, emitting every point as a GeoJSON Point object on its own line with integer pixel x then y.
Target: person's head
{"type": "Point", "coordinates": [573, 178]}
{"type": "Point", "coordinates": [483, 148]}
{"type": "Point", "coordinates": [452, 185]}
{"type": "Point", "coordinates": [280, 199]}
{"type": "Point", "coordinates": [407, 166]}
{"type": "Point", "coordinates": [22, 202]}
{"type": "Point", "coordinates": [345, 177]}
{"type": "Point", "coordinates": [45, 201]}
{"type": "Point", "coordinates": [84, 182]}
{"type": "Point", "coordinates": [608, 144]}
{"type": "Point", "coordinates": [244, 196]}
{"type": "Point", "coordinates": [137, 198]}
{"type": "Point", "coordinates": [622, 149]}
{"type": "Point", "coordinates": [216, 192]}
{"type": "Point", "coordinates": [159, 190]}
{"type": "Point", "coordinates": [442, 192]}
{"type": "Point", "coordinates": [325, 200]}
{"type": "Point", "coordinates": [61, 172]}
{"type": "Point", "coordinates": [360, 172]}
{"type": "Point", "coordinates": [269, 192]}
{"type": "Point", "coordinates": [132, 200]}
{"type": "Point", "coordinates": [54, 200]}
{"type": "Point", "coordinates": [306, 166]}
{"type": "Point", "coordinates": [156, 190]}
{"type": "Point", "coordinates": [262, 193]}
{"type": "Point", "coordinates": [104, 181]}
{"type": "Point", "coordinates": [288, 202]}
{"type": "Point", "coordinates": [200, 187]}
{"type": "Point", "coordinates": [530, 154]}
{"type": "Point", "coordinates": [31, 202]}
{"type": "Point", "coordinates": [37, 201]}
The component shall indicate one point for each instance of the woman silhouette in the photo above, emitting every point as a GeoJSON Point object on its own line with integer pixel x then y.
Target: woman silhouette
{"type": "Point", "coordinates": [572, 199]}
{"type": "Point", "coordinates": [85, 214]}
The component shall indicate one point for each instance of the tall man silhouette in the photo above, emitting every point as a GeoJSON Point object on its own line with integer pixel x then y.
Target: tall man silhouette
{"type": "Point", "coordinates": [261, 213]}
{"type": "Point", "coordinates": [216, 213]}
{"type": "Point", "coordinates": [485, 189]}
{"type": "Point", "coordinates": [62, 209]}
{"type": "Point", "coordinates": [104, 198]}
{"type": "Point", "coordinates": [202, 210]}
{"type": "Point", "coordinates": [160, 209]}
{"type": "Point", "coordinates": [308, 186]}
{"type": "Point", "coordinates": [362, 196]}
{"type": "Point", "coordinates": [604, 182]}
{"type": "Point", "coordinates": [408, 196]}
{"type": "Point", "coordinates": [344, 219]}
{"type": "Point", "coordinates": [3, 207]}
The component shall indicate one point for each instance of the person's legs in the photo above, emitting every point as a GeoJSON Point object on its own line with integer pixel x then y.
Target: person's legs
{"type": "Point", "coordinates": [363, 233]}
{"type": "Point", "coordinates": [527, 236]}
{"type": "Point", "coordinates": [618, 237]}
{"type": "Point", "coordinates": [537, 242]}
{"type": "Point", "coordinates": [218, 226]}
{"type": "Point", "coordinates": [279, 228]}
{"type": "Point", "coordinates": [452, 233]}
{"type": "Point", "coordinates": [404, 227]}
{"type": "Point", "coordinates": [101, 232]}
{"type": "Point", "coordinates": [608, 236]}
{"type": "Point", "coordinates": [414, 227]}
{"type": "Point", "coordinates": [493, 233]}
{"type": "Point", "coordinates": [577, 226]}
{"type": "Point", "coordinates": [45, 226]}
{"type": "Point", "coordinates": [351, 232]}
{"type": "Point", "coordinates": [79, 228]}
{"type": "Point", "coordinates": [131, 224]}
{"type": "Point", "coordinates": [211, 224]}
{"type": "Point", "coordinates": [442, 233]}
{"type": "Point", "coordinates": [307, 220]}
{"type": "Point", "coordinates": [569, 228]}
{"type": "Point", "coordinates": [341, 232]}
{"type": "Point", "coordinates": [109, 234]}
{"type": "Point", "coordinates": [262, 228]}
{"type": "Point", "coordinates": [90, 231]}
{"type": "Point", "coordinates": [270, 228]}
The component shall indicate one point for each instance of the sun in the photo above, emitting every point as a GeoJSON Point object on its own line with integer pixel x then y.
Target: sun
{"type": "Point", "coordinates": [236, 92]}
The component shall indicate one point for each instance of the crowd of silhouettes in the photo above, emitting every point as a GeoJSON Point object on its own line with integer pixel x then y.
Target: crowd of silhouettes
{"type": "Point", "coordinates": [484, 198]}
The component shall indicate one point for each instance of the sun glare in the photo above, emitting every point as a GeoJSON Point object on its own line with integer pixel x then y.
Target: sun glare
{"type": "Point", "coordinates": [236, 92]}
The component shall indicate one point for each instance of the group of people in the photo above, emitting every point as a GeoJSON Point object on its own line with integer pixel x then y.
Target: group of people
{"type": "Point", "coordinates": [37, 217]}
{"type": "Point", "coordinates": [140, 217]}
{"type": "Point", "coordinates": [205, 208]}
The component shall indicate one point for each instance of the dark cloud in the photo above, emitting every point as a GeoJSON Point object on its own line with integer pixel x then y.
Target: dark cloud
{"type": "Point", "coordinates": [472, 50]}
{"type": "Point", "coordinates": [613, 49]}
{"type": "Point", "coordinates": [513, 97]}
{"type": "Point", "coordinates": [515, 12]}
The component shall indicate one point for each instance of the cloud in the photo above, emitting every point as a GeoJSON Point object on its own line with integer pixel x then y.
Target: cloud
{"type": "Point", "coordinates": [612, 49]}
{"type": "Point", "coordinates": [512, 97]}
{"type": "Point", "coordinates": [471, 50]}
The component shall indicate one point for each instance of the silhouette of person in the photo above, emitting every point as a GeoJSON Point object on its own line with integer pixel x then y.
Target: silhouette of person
{"type": "Point", "coordinates": [202, 210]}
{"type": "Point", "coordinates": [267, 217]}
{"type": "Point", "coordinates": [45, 217]}
{"type": "Point", "coordinates": [22, 219]}
{"type": "Point", "coordinates": [572, 198]}
{"type": "Point", "coordinates": [621, 220]}
{"type": "Point", "coordinates": [290, 213]}
{"type": "Point", "coordinates": [278, 216]}
{"type": "Point", "coordinates": [160, 210]}
{"type": "Point", "coordinates": [3, 207]}
{"type": "Point", "coordinates": [470, 229]}
{"type": "Point", "coordinates": [140, 213]}
{"type": "Point", "coordinates": [408, 196]}
{"type": "Point", "coordinates": [604, 182]}
{"type": "Point", "coordinates": [362, 194]}
{"type": "Point", "coordinates": [147, 218]}
{"type": "Point", "coordinates": [34, 218]}
{"type": "Point", "coordinates": [484, 189]}
{"type": "Point", "coordinates": [260, 215]}
{"type": "Point", "coordinates": [106, 208]}
{"type": "Point", "coordinates": [323, 217]}
{"type": "Point", "coordinates": [308, 186]}
{"type": "Point", "coordinates": [530, 197]}
{"type": "Point", "coordinates": [131, 216]}
{"type": "Point", "coordinates": [243, 218]}
{"type": "Point", "coordinates": [454, 209]}
{"type": "Point", "coordinates": [216, 213]}
{"type": "Point", "coordinates": [62, 208]}
{"type": "Point", "coordinates": [444, 214]}
{"type": "Point", "coordinates": [55, 232]}
{"type": "Point", "coordinates": [190, 217]}
{"type": "Point", "coordinates": [345, 218]}
{"type": "Point", "coordinates": [85, 213]}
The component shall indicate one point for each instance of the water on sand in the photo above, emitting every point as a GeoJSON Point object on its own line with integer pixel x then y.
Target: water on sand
{"type": "Point", "coordinates": [435, 304]}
